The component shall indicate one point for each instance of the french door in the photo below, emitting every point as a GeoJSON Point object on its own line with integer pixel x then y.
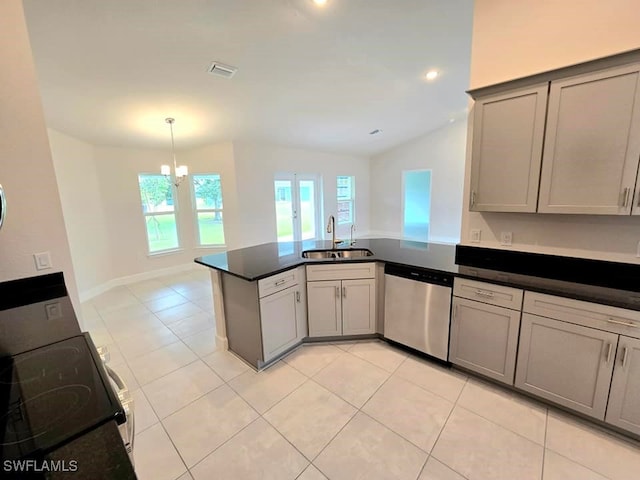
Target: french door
{"type": "Point", "coordinates": [297, 198]}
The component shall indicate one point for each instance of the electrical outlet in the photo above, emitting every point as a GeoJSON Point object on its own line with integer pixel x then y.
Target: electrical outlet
{"type": "Point", "coordinates": [475, 236]}
{"type": "Point", "coordinates": [43, 260]}
{"type": "Point", "coordinates": [505, 238]}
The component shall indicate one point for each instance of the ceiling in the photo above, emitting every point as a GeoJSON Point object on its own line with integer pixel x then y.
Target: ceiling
{"type": "Point", "coordinates": [321, 78]}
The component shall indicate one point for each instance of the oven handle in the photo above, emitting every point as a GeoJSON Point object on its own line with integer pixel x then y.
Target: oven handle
{"type": "Point", "coordinates": [127, 404]}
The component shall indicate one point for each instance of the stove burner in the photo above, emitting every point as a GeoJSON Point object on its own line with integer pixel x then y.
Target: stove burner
{"type": "Point", "coordinates": [57, 358]}
{"type": "Point", "coordinates": [42, 413]}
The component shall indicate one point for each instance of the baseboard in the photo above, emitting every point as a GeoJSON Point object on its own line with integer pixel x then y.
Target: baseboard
{"type": "Point", "coordinates": [88, 294]}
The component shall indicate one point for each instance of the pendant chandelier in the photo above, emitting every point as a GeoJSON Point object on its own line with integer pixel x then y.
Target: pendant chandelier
{"type": "Point", "coordinates": [180, 172]}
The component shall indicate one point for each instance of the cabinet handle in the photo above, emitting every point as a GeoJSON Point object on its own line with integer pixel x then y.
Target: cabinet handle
{"type": "Point", "coordinates": [473, 198]}
{"type": "Point", "coordinates": [484, 293]}
{"type": "Point", "coordinates": [618, 322]}
{"type": "Point", "coordinates": [625, 353]}
{"type": "Point", "coordinates": [638, 201]}
{"type": "Point", "coordinates": [337, 292]}
{"type": "Point", "coordinates": [298, 297]}
{"type": "Point", "coordinates": [609, 348]}
{"type": "Point", "coordinates": [279, 282]}
{"type": "Point", "coordinates": [625, 196]}
{"type": "Point", "coordinates": [455, 311]}
{"type": "Point", "coordinates": [344, 292]}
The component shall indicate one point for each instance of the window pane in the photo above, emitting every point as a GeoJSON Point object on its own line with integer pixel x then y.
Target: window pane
{"type": "Point", "coordinates": [156, 193]}
{"type": "Point", "coordinates": [417, 204]}
{"type": "Point", "coordinates": [345, 212]}
{"type": "Point", "coordinates": [284, 210]}
{"type": "Point", "coordinates": [345, 199]}
{"type": "Point", "coordinates": [345, 187]}
{"type": "Point", "coordinates": [210, 228]}
{"type": "Point", "coordinates": [162, 233]}
{"type": "Point", "coordinates": [208, 191]}
{"type": "Point", "coordinates": [307, 209]}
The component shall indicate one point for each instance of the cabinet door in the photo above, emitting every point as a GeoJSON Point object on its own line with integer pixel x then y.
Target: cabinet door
{"type": "Point", "coordinates": [624, 400]}
{"type": "Point", "coordinates": [280, 329]}
{"type": "Point", "coordinates": [566, 363]}
{"type": "Point", "coordinates": [484, 338]}
{"type": "Point", "coordinates": [507, 149]}
{"type": "Point", "coordinates": [324, 302]}
{"type": "Point", "coordinates": [592, 143]}
{"type": "Point", "coordinates": [358, 306]}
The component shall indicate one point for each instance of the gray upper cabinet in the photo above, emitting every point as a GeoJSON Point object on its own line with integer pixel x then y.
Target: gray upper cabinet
{"type": "Point", "coordinates": [592, 144]}
{"type": "Point", "coordinates": [508, 132]}
{"type": "Point", "coordinates": [566, 363]}
{"type": "Point", "coordinates": [624, 400]}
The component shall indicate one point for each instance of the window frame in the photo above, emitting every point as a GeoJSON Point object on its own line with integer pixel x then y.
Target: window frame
{"type": "Point", "coordinates": [351, 200]}
{"type": "Point", "coordinates": [146, 215]}
{"type": "Point", "coordinates": [197, 210]}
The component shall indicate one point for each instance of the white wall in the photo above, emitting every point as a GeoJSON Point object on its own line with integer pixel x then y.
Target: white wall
{"type": "Point", "coordinates": [443, 152]}
{"type": "Point", "coordinates": [256, 165]}
{"type": "Point", "coordinates": [34, 220]}
{"type": "Point", "coordinates": [513, 39]}
{"type": "Point", "coordinates": [117, 173]}
{"type": "Point", "coordinates": [83, 210]}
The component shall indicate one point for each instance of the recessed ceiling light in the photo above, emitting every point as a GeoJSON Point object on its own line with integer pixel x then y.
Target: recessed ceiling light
{"type": "Point", "coordinates": [432, 74]}
{"type": "Point", "coordinates": [320, 3]}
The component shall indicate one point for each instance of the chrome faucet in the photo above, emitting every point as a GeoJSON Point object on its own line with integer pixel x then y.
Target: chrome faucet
{"type": "Point", "coordinates": [353, 229]}
{"type": "Point", "coordinates": [331, 228]}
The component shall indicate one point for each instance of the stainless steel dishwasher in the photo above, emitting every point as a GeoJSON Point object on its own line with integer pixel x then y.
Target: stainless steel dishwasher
{"type": "Point", "coordinates": [417, 307]}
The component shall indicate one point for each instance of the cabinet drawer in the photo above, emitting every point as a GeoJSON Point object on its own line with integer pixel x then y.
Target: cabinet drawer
{"type": "Point", "coordinates": [276, 283]}
{"type": "Point", "coordinates": [341, 272]}
{"type": "Point", "coordinates": [488, 293]}
{"type": "Point", "coordinates": [602, 317]}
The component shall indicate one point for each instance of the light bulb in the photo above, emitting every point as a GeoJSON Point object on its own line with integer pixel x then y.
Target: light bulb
{"type": "Point", "coordinates": [165, 170]}
{"type": "Point", "coordinates": [432, 74]}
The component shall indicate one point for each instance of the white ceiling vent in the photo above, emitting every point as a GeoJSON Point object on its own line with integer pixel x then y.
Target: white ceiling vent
{"type": "Point", "coordinates": [221, 70]}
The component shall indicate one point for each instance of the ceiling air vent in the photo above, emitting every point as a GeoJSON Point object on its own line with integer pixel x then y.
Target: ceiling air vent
{"type": "Point", "coordinates": [221, 70]}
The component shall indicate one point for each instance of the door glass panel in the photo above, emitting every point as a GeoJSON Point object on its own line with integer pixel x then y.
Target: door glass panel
{"type": "Point", "coordinates": [417, 204]}
{"type": "Point", "coordinates": [307, 209]}
{"type": "Point", "coordinates": [284, 210]}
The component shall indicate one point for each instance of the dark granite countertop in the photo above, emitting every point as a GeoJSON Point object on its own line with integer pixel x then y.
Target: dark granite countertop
{"type": "Point", "coordinates": [260, 261]}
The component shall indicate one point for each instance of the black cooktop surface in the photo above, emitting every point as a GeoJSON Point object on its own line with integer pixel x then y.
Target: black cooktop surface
{"type": "Point", "coordinates": [52, 394]}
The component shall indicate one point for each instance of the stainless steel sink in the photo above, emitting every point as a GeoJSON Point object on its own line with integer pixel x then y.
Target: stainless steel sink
{"type": "Point", "coordinates": [350, 253]}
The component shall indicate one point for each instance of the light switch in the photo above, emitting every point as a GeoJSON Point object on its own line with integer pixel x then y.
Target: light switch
{"type": "Point", "coordinates": [505, 238]}
{"type": "Point", "coordinates": [43, 260]}
{"type": "Point", "coordinates": [475, 236]}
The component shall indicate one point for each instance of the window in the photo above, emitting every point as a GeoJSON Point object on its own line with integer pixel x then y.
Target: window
{"type": "Point", "coordinates": [346, 199]}
{"type": "Point", "coordinates": [207, 195]}
{"type": "Point", "coordinates": [416, 204]}
{"type": "Point", "coordinates": [297, 207]}
{"type": "Point", "coordinates": [159, 211]}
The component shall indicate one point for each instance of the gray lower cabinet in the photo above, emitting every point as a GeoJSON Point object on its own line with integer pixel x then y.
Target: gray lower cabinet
{"type": "Point", "coordinates": [282, 321]}
{"type": "Point", "coordinates": [484, 338]}
{"type": "Point", "coordinates": [568, 364]}
{"type": "Point", "coordinates": [623, 409]}
{"type": "Point", "coordinates": [325, 315]}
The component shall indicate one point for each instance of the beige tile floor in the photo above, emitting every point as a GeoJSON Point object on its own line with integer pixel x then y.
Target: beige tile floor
{"type": "Point", "coordinates": [340, 411]}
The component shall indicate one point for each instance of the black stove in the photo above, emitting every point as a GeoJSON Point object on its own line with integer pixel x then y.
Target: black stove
{"type": "Point", "coordinates": [51, 395]}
